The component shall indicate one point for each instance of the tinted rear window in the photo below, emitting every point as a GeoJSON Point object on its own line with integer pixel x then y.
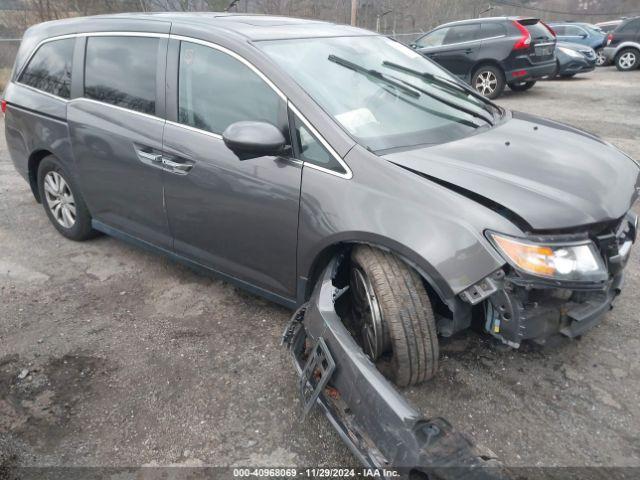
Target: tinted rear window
{"type": "Point", "coordinates": [492, 29]}
{"type": "Point", "coordinates": [50, 68]}
{"type": "Point", "coordinates": [122, 71]}
{"type": "Point", "coordinates": [537, 30]}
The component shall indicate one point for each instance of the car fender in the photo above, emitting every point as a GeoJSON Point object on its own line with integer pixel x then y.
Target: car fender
{"type": "Point", "coordinates": [436, 230]}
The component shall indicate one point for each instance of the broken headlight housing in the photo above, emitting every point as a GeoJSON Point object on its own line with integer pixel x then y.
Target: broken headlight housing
{"type": "Point", "coordinates": [564, 261]}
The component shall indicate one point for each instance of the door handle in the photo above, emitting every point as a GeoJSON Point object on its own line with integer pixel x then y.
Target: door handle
{"type": "Point", "coordinates": [149, 157]}
{"type": "Point", "coordinates": [176, 167]}
{"type": "Point", "coordinates": [468, 51]}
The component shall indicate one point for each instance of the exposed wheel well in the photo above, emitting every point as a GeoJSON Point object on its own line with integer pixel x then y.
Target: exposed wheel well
{"type": "Point", "coordinates": [34, 162]}
{"type": "Point", "coordinates": [344, 249]}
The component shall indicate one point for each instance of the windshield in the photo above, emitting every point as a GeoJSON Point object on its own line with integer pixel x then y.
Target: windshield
{"type": "Point", "coordinates": [383, 93]}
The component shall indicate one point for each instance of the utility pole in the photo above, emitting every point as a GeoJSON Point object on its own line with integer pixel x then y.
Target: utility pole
{"type": "Point", "coordinates": [354, 11]}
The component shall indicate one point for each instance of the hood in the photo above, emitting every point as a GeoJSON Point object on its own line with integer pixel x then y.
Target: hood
{"type": "Point", "coordinates": [573, 46]}
{"type": "Point", "coordinates": [546, 175]}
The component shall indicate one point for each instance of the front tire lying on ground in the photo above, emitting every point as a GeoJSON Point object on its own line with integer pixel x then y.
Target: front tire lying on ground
{"type": "Point", "coordinates": [391, 305]}
{"type": "Point", "coordinates": [62, 201]}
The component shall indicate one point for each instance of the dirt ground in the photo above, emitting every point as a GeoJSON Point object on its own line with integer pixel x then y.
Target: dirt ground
{"type": "Point", "coordinates": [113, 356]}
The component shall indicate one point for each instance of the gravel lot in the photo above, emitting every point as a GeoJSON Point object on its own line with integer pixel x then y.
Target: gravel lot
{"type": "Point", "coordinates": [135, 360]}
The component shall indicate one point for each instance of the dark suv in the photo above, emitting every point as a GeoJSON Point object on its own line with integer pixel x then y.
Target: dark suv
{"type": "Point", "coordinates": [623, 45]}
{"type": "Point", "coordinates": [490, 53]}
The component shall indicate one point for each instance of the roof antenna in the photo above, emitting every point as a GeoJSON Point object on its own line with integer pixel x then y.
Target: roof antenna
{"type": "Point", "coordinates": [231, 5]}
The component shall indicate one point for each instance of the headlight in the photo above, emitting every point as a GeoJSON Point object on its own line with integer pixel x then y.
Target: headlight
{"type": "Point", "coordinates": [571, 53]}
{"type": "Point", "coordinates": [578, 261]}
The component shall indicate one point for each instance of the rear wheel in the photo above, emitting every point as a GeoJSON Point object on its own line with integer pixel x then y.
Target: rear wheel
{"type": "Point", "coordinates": [62, 201]}
{"type": "Point", "coordinates": [627, 59]}
{"type": "Point", "coordinates": [522, 86]}
{"type": "Point", "coordinates": [488, 80]}
{"type": "Point", "coordinates": [394, 314]}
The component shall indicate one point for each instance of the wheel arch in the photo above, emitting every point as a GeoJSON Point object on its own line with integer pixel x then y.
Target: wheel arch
{"type": "Point", "coordinates": [487, 61]}
{"type": "Point", "coordinates": [626, 46]}
{"type": "Point", "coordinates": [450, 310]}
{"type": "Point", "coordinates": [343, 244]}
{"type": "Point", "coordinates": [32, 168]}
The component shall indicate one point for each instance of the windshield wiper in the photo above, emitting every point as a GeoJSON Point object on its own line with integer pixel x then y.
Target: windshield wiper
{"type": "Point", "coordinates": [451, 104]}
{"type": "Point", "coordinates": [443, 82]}
{"type": "Point", "coordinates": [374, 74]}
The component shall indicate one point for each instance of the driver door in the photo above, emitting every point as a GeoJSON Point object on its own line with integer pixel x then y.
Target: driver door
{"type": "Point", "coordinates": [238, 217]}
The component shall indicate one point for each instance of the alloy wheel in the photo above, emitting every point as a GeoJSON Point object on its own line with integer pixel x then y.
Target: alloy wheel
{"type": "Point", "coordinates": [627, 60]}
{"type": "Point", "coordinates": [368, 313]}
{"type": "Point", "coordinates": [486, 83]}
{"type": "Point", "coordinates": [59, 199]}
{"type": "Point", "coordinates": [600, 58]}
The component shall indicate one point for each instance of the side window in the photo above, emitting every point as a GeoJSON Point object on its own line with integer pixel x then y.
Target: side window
{"type": "Point", "coordinates": [434, 39]}
{"type": "Point", "coordinates": [122, 71]}
{"type": "Point", "coordinates": [309, 149]}
{"type": "Point", "coordinates": [560, 30]}
{"type": "Point", "coordinates": [216, 90]}
{"type": "Point", "coordinates": [574, 31]}
{"type": "Point", "coordinates": [493, 29]}
{"type": "Point", "coordinates": [50, 68]}
{"type": "Point", "coordinates": [462, 33]}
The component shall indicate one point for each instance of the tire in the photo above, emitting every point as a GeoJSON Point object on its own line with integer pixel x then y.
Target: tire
{"type": "Point", "coordinates": [409, 329]}
{"type": "Point", "coordinates": [521, 87]}
{"type": "Point", "coordinates": [627, 59]}
{"type": "Point", "coordinates": [63, 202]}
{"type": "Point", "coordinates": [601, 59]}
{"type": "Point", "coordinates": [568, 75]}
{"type": "Point", "coordinates": [488, 80]}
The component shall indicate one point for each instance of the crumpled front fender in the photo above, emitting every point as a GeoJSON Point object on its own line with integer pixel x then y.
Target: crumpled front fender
{"type": "Point", "coordinates": [377, 423]}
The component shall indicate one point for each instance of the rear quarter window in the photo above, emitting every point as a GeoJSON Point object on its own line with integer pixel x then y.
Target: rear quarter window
{"type": "Point", "coordinates": [492, 29]}
{"type": "Point", "coordinates": [49, 70]}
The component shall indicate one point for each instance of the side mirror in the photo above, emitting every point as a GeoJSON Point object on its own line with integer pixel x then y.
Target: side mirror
{"type": "Point", "coordinates": [413, 45]}
{"type": "Point", "coordinates": [253, 139]}
{"type": "Point", "coordinates": [583, 35]}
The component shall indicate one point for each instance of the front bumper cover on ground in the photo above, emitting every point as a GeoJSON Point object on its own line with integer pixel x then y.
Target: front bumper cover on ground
{"type": "Point", "coordinates": [380, 427]}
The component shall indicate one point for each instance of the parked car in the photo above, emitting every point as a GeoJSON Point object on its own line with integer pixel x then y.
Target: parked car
{"type": "Point", "coordinates": [490, 53]}
{"type": "Point", "coordinates": [574, 58]}
{"type": "Point", "coordinates": [582, 33]}
{"type": "Point", "coordinates": [328, 168]}
{"type": "Point", "coordinates": [623, 45]}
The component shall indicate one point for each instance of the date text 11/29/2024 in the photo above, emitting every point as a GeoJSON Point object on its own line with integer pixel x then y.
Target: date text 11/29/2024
{"type": "Point", "coordinates": [316, 472]}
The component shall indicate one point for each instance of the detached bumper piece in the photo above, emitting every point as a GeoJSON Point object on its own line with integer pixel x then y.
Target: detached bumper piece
{"type": "Point", "coordinates": [372, 418]}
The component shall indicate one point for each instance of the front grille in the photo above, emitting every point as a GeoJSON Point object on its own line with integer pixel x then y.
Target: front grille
{"type": "Point", "coordinates": [590, 54]}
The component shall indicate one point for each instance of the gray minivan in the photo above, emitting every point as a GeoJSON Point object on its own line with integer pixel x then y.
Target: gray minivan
{"type": "Point", "coordinates": [327, 167]}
